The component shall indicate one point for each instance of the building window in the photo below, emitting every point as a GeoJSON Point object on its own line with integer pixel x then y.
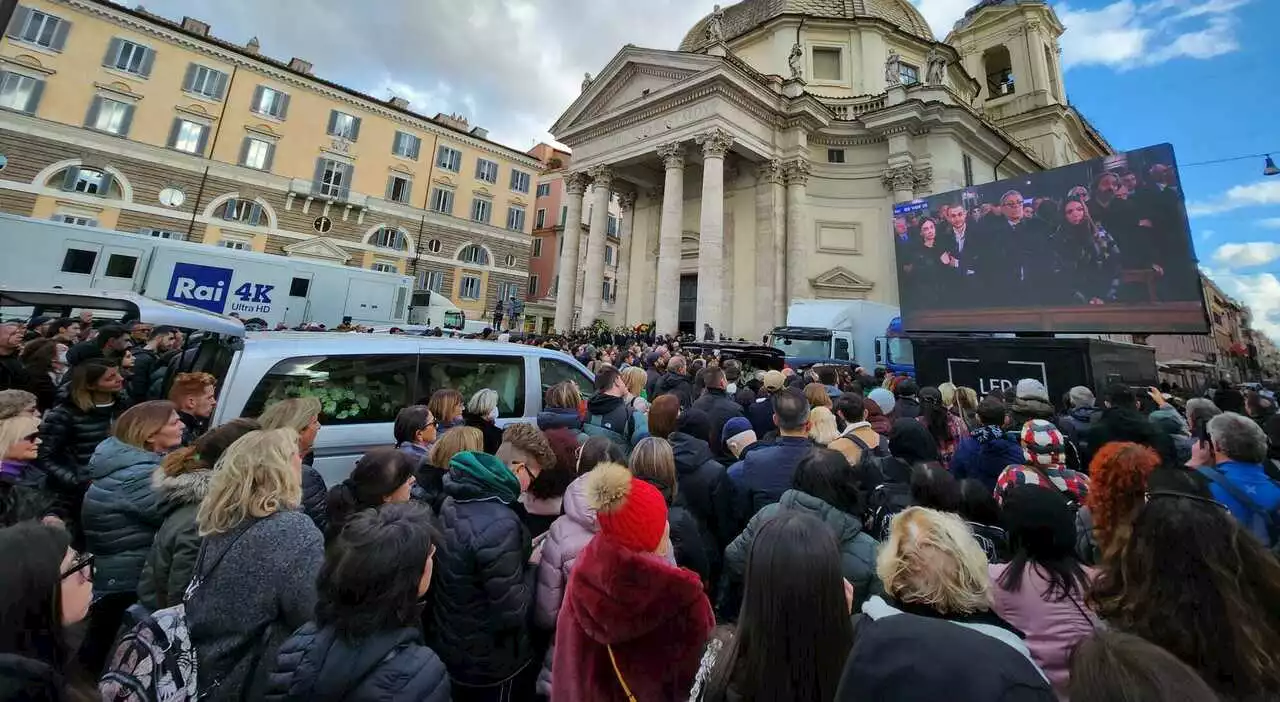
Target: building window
{"type": "Point", "coordinates": [188, 136]}
{"type": "Point", "coordinates": [469, 287]}
{"type": "Point", "coordinates": [509, 260]}
{"type": "Point", "coordinates": [835, 155]}
{"type": "Point", "coordinates": [475, 254]}
{"type": "Point", "coordinates": [270, 102]}
{"type": "Point", "coordinates": [533, 286]}
{"type": "Point", "coordinates": [235, 244]}
{"type": "Point", "coordinates": [164, 234]}
{"type": "Point", "coordinates": [110, 116]}
{"type": "Point", "coordinates": [604, 291]}
{"type": "Point", "coordinates": [172, 196]}
{"type": "Point", "coordinates": [997, 64]}
{"type": "Point", "coordinates": [967, 160]}
{"type": "Point", "coordinates": [398, 189]}
{"type": "Point", "coordinates": [608, 255]}
{"type": "Point", "coordinates": [333, 178]}
{"type": "Point", "coordinates": [390, 238]}
{"type": "Point", "coordinates": [515, 219]}
{"type": "Point", "coordinates": [611, 226]}
{"type": "Point", "coordinates": [509, 290]}
{"type": "Point", "coordinates": [124, 55]}
{"type": "Point", "coordinates": [486, 170]}
{"type": "Point", "coordinates": [540, 218]}
{"type": "Point", "coordinates": [77, 220]}
{"type": "Point", "coordinates": [434, 246]}
{"type": "Point", "coordinates": [442, 200]}
{"type": "Point", "coordinates": [383, 267]}
{"type": "Point", "coordinates": [537, 247]}
{"type": "Point", "coordinates": [449, 159]}
{"type": "Point", "coordinates": [257, 154]}
{"type": "Point", "coordinates": [908, 74]}
{"type": "Point", "coordinates": [343, 125]}
{"type": "Point", "coordinates": [39, 28]}
{"type": "Point", "coordinates": [564, 215]}
{"type": "Point", "coordinates": [20, 93]}
{"type": "Point", "coordinates": [406, 145]}
{"type": "Point", "coordinates": [481, 210]}
{"type": "Point", "coordinates": [827, 62]}
{"type": "Point", "coordinates": [202, 80]}
{"type": "Point", "coordinates": [89, 181]}
{"type": "Point", "coordinates": [431, 280]}
{"type": "Point", "coordinates": [544, 190]}
{"type": "Point", "coordinates": [519, 181]}
{"type": "Point", "coordinates": [243, 211]}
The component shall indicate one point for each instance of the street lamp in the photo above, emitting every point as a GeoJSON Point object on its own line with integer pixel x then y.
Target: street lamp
{"type": "Point", "coordinates": [1269, 168]}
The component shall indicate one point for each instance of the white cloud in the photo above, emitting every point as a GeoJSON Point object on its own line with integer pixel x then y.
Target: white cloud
{"type": "Point", "coordinates": [1246, 255]}
{"type": "Point", "coordinates": [1129, 34]}
{"type": "Point", "coordinates": [1206, 234]}
{"type": "Point", "coordinates": [1266, 192]}
{"type": "Point", "coordinates": [1270, 223]}
{"type": "Point", "coordinates": [1261, 292]}
{"type": "Point", "coordinates": [942, 14]}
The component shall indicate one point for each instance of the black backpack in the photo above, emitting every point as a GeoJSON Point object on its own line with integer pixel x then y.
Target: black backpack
{"type": "Point", "coordinates": [886, 500]}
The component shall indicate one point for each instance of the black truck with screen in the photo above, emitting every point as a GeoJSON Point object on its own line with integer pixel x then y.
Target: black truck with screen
{"type": "Point", "coordinates": [997, 364]}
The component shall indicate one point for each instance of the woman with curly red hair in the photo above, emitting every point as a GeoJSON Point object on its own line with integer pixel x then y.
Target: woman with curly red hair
{"type": "Point", "coordinates": [1117, 485]}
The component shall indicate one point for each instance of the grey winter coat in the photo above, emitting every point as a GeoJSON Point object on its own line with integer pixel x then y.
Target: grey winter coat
{"type": "Point", "coordinates": [120, 514]}
{"type": "Point", "coordinates": [173, 554]}
{"type": "Point", "coordinates": [258, 587]}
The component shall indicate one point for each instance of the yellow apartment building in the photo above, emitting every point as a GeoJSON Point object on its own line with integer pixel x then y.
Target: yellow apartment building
{"type": "Point", "coordinates": [118, 118]}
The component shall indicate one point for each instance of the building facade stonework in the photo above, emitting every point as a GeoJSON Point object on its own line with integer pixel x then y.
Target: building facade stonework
{"type": "Point", "coordinates": [766, 154]}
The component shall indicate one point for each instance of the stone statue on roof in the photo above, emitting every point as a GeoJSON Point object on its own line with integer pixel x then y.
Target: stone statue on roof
{"type": "Point", "coordinates": [794, 61]}
{"type": "Point", "coordinates": [587, 80]}
{"type": "Point", "coordinates": [715, 25]}
{"type": "Point", "coordinates": [936, 73]}
{"type": "Point", "coordinates": [893, 69]}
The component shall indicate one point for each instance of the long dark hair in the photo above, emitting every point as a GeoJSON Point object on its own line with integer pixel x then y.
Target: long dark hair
{"type": "Point", "coordinates": [825, 474]}
{"type": "Point", "coordinates": [597, 450]}
{"type": "Point", "coordinates": [372, 571]}
{"type": "Point", "coordinates": [31, 593]}
{"type": "Point", "coordinates": [794, 631]}
{"type": "Point", "coordinates": [1194, 582]}
{"type": "Point", "coordinates": [38, 355]}
{"type": "Point", "coordinates": [377, 474]}
{"type": "Point", "coordinates": [935, 415]}
{"type": "Point", "coordinates": [1112, 666]}
{"type": "Point", "coordinates": [1042, 533]}
{"type": "Point", "coordinates": [934, 487]}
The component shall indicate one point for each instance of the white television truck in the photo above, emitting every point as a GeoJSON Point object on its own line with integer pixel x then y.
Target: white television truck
{"type": "Point", "coordinates": [224, 281]}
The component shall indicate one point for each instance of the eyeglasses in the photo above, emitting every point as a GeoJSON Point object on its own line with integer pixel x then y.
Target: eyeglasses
{"type": "Point", "coordinates": [85, 561]}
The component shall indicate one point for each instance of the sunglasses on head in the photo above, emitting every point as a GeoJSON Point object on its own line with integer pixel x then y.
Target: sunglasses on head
{"type": "Point", "coordinates": [86, 560]}
{"type": "Point", "coordinates": [1156, 494]}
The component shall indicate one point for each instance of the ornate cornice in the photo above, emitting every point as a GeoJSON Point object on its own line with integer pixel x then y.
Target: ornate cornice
{"type": "Point", "coordinates": [715, 143]}
{"type": "Point", "coordinates": [575, 183]}
{"type": "Point", "coordinates": [770, 172]}
{"type": "Point", "coordinates": [601, 176]}
{"type": "Point", "coordinates": [672, 155]}
{"type": "Point", "coordinates": [898, 178]}
{"type": "Point", "coordinates": [680, 101]}
{"type": "Point", "coordinates": [797, 171]}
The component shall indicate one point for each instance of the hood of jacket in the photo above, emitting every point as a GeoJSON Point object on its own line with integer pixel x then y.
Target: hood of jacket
{"type": "Point", "coordinates": [1032, 408]}
{"type": "Point", "coordinates": [332, 668]}
{"type": "Point", "coordinates": [845, 525]}
{"type": "Point", "coordinates": [114, 455]}
{"type": "Point", "coordinates": [1084, 415]}
{"type": "Point", "coordinates": [620, 595]}
{"type": "Point", "coordinates": [1123, 424]}
{"type": "Point", "coordinates": [602, 404]}
{"type": "Point", "coordinates": [558, 418]}
{"type": "Point", "coordinates": [480, 476]}
{"type": "Point", "coordinates": [185, 489]}
{"type": "Point", "coordinates": [576, 506]}
{"type": "Point", "coordinates": [690, 451]}
{"type": "Point", "coordinates": [670, 380]}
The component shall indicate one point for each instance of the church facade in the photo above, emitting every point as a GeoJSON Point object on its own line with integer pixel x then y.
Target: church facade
{"type": "Point", "coordinates": [759, 163]}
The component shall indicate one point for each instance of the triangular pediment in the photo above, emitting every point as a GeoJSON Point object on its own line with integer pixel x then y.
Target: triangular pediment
{"type": "Point", "coordinates": [635, 82]}
{"type": "Point", "coordinates": [318, 248]}
{"type": "Point", "coordinates": [840, 283]}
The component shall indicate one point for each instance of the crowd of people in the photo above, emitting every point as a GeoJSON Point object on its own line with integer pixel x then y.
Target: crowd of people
{"type": "Point", "coordinates": [693, 529]}
{"type": "Point", "coordinates": [1043, 248]}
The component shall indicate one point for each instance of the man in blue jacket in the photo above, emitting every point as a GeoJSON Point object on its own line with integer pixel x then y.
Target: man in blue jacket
{"type": "Point", "coordinates": [1239, 480]}
{"type": "Point", "coordinates": [765, 473]}
{"type": "Point", "coordinates": [985, 453]}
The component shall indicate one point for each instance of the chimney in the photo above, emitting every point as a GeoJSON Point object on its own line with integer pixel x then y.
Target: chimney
{"type": "Point", "coordinates": [480, 132]}
{"type": "Point", "coordinates": [253, 46]}
{"type": "Point", "coordinates": [195, 26]}
{"type": "Point", "coordinates": [456, 121]}
{"type": "Point", "coordinates": [400, 103]}
{"type": "Point", "coordinates": [297, 64]}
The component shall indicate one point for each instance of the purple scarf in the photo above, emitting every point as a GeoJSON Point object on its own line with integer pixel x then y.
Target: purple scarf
{"type": "Point", "coordinates": [14, 468]}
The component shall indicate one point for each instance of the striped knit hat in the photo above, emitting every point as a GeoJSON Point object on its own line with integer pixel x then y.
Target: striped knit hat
{"type": "Point", "coordinates": [1043, 445]}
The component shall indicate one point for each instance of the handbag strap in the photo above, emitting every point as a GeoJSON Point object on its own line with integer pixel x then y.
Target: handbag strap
{"type": "Point", "coordinates": [198, 578]}
{"type": "Point", "coordinates": [625, 689]}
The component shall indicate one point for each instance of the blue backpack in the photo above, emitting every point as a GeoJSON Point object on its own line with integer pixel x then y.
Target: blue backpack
{"type": "Point", "coordinates": [1262, 523]}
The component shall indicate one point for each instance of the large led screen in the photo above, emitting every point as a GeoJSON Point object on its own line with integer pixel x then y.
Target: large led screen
{"type": "Point", "coordinates": [1097, 246]}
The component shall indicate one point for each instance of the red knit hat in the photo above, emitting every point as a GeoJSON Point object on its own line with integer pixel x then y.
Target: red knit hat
{"type": "Point", "coordinates": [630, 511]}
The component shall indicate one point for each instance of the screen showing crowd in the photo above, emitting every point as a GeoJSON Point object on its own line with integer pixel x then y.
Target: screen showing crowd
{"type": "Point", "coordinates": [1096, 246]}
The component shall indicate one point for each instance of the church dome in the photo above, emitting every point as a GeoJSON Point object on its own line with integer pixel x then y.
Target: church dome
{"type": "Point", "coordinates": [749, 14]}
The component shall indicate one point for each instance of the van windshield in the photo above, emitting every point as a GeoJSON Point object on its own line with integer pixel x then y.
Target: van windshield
{"type": "Point", "coordinates": [454, 320]}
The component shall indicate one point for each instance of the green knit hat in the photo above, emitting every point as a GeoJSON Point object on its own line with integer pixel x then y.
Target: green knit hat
{"type": "Point", "coordinates": [489, 471]}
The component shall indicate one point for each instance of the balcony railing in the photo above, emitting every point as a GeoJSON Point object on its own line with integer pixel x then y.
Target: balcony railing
{"type": "Point", "coordinates": [849, 109]}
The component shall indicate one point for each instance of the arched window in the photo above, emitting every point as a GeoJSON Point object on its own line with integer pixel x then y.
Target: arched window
{"type": "Point", "coordinates": [389, 238]}
{"type": "Point", "coordinates": [474, 254]}
{"type": "Point", "coordinates": [998, 67]}
{"type": "Point", "coordinates": [90, 181]}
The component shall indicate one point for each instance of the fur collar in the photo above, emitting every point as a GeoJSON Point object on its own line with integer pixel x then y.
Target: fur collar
{"type": "Point", "coordinates": [187, 488]}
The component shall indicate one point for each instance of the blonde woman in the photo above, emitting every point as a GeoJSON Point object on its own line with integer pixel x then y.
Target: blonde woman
{"type": "Point", "coordinates": [482, 414]}
{"type": "Point", "coordinates": [562, 408]}
{"type": "Point", "coordinates": [653, 461]}
{"type": "Point", "coordinates": [20, 496]}
{"type": "Point", "coordinates": [430, 476]}
{"type": "Point", "coordinates": [816, 394]}
{"type": "Point", "coordinates": [255, 577]}
{"type": "Point", "coordinates": [822, 426]}
{"type": "Point", "coordinates": [933, 567]}
{"type": "Point", "coordinates": [635, 379]}
{"type": "Point", "coordinates": [302, 416]}
{"type": "Point", "coordinates": [967, 407]}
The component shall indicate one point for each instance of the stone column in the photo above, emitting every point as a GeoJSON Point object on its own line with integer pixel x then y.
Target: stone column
{"type": "Point", "coordinates": [667, 287]}
{"type": "Point", "coordinates": [575, 185]}
{"type": "Point", "coordinates": [582, 266]}
{"type": "Point", "coordinates": [796, 172]}
{"type": "Point", "coordinates": [626, 231]}
{"type": "Point", "coordinates": [771, 252]}
{"type": "Point", "coordinates": [715, 144]}
{"type": "Point", "coordinates": [592, 295]}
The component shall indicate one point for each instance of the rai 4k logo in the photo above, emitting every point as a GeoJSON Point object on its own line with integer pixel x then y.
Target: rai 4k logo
{"type": "Point", "coordinates": [206, 287]}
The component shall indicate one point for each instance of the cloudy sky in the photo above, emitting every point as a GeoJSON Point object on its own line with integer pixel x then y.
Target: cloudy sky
{"type": "Point", "coordinates": [1200, 74]}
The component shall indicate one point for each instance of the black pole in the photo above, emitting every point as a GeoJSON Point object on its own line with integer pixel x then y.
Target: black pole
{"type": "Point", "coordinates": [217, 131]}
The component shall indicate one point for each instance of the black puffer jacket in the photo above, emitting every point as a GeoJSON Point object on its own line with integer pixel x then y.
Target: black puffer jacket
{"type": "Point", "coordinates": [675, 384]}
{"type": "Point", "coordinates": [68, 438]}
{"type": "Point", "coordinates": [29, 680]}
{"type": "Point", "coordinates": [316, 665]}
{"type": "Point", "coordinates": [121, 514]}
{"type": "Point", "coordinates": [491, 432]}
{"type": "Point", "coordinates": [1124, 424]}
{"type": "Point", "coordinates": [720, 408]}
{"type": "Point", "coordinates": [704, 487]}
{"type": "Point", "coordinates": [315, 496]}
{"type": "Point", "coordinates": [145, 363]}
{"type": "Point", "coordinates": [482, 587]}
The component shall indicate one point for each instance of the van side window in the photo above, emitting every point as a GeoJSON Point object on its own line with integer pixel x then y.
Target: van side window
{"type": "Point", "coordinates": [351, 389]}
{"type": "Point", "coordinates": [469, 374]}
{"type": "Point", "coordinates": [555, 371]}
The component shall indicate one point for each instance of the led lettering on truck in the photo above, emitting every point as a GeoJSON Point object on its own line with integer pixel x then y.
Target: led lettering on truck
{"type": "Point", "coordinates": [206, 286]}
